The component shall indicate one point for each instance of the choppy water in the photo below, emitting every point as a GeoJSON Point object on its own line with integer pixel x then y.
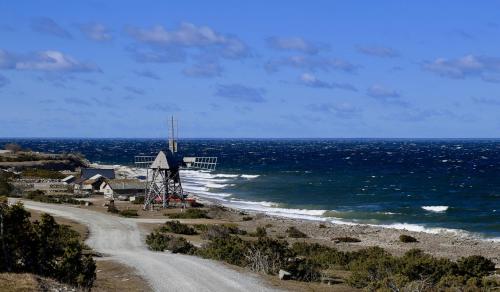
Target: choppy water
{"type": "Point", "coordinates": [413, 184]}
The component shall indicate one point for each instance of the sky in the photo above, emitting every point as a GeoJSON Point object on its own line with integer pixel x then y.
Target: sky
{"type": "Point", "coordinates": [250, 69]}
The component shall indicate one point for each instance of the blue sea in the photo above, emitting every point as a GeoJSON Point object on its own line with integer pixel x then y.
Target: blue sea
{"type": "Point", "coordinates": [423, 185]}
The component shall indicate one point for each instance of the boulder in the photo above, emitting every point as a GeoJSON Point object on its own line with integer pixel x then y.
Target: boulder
{"type": "Point", "coordinates": [284, 275]}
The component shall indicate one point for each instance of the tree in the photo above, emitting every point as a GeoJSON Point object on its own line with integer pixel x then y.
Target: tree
{"type": "Point", "coordinates": [13, 147]}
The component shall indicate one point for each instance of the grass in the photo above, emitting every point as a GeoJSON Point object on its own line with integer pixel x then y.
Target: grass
{"type": "Point", "coordinates": [190, 214]}
{"type": "Point", "coordinates": [42, 173]}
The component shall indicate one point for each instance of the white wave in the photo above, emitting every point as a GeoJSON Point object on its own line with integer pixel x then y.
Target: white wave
{"type": "Point", "coordinates": [250, 176]}
{"type": "Point", "coordinates": [226, 175]}
{"type": "Point", "coordinates": [435, 208]}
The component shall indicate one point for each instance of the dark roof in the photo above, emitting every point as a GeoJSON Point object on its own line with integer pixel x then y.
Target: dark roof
{"type": "Point", "coordinates": [90, 172]}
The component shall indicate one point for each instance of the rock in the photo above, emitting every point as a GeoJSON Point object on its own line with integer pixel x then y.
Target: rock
{"type": "Point", "coordinates": [284, 275]}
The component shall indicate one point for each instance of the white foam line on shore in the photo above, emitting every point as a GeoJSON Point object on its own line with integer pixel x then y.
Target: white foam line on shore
{"type": "Point", "coordinates": [201, 182]}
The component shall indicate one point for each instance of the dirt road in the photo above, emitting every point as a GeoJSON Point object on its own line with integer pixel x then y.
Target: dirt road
{"type": "Point", "coordinates": [121, 239]}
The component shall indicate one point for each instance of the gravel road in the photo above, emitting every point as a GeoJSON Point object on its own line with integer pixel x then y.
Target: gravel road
{"type": "Point", "coordinates": [121, 239]}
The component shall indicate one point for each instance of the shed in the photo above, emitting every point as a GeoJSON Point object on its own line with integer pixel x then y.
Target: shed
{"type": "Point", "coordinates": [105, 172]}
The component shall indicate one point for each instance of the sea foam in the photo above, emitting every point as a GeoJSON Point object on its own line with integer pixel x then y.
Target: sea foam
{"type": "Point", "coordinates": [435, 208]}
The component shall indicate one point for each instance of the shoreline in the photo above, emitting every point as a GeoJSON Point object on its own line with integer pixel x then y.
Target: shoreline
{"type": "Point", "coordinates": [440, 244]}
{"type": "Point", "coordinates": [193, 188]}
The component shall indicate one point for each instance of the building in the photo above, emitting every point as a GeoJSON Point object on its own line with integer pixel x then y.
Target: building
{"type": "Point", "coordinates": [88, 186]}
{"type": "Point", "coordinates": [122, 188]}
{"type": "Point", "coordinates": [69, 179]}
{"type": "Point", "coordinates": [87, 173]}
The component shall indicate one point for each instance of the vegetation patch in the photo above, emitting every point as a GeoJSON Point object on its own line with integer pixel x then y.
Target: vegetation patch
{"type": "Point", "coordinates": [346, 239]}
{"type": "Point", "coordinates": [247, 218]}
{"type": "Point", "coordinates": [40, 196]}
{"type": "Point", "coordinates": [177, 228]}
{"type": "Point", "coordinates": [407, 238]}
{"type": "Point", "coordinates": [42, 173]}
{"type": "Point", "coordinates": [293, 232]}
{"type": "Point", "coordinates": [128, 213]}
{"type": "Point", "coordinates": [190, 214]}
{"type": "Point", "coordinates": [158, 241]}
{"type": "Point", "coordinates": [43, 247]}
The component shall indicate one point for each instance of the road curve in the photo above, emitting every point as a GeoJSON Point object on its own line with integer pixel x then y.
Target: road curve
{"type": "Point", "coordinates": [121, 239]}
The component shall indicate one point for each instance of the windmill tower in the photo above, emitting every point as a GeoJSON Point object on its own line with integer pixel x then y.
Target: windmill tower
{"type": "Point", "coordinates": [163, 182]}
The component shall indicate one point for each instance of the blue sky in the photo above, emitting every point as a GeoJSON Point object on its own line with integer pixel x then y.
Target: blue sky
{"type": "Point", "coordinates": [425, 69]}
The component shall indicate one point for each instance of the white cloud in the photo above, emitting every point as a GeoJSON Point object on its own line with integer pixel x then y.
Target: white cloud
{"type": "Point", "coordinates": [378, 51]}
{"type": "Point", "coordinates": [53, 61]}
{"type": "Point", "coordinates": [466, 66]}
{"type": "Point", "coordinates": [381, 92]}
{"type": "Point", "coordinates": [48, 61]}
{"type": "Point", "coordinates": [190, 35]}
{"type": "Point", "coordinates": [210, 69]}
{"type": "Point", "coordinates": [311, 80]}
{"type": "Point", "coordinates": [96, 32]}
{"type": "Point", "coordinates": [293, 44]}
{"type": "Point", "coordinates": [309, 63]}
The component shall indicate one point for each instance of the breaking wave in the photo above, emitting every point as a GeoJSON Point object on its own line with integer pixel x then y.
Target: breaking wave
{"type": "Point", "coordinates": [435, 208]}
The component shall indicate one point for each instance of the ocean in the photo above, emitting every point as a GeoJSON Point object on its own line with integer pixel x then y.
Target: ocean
{"type": "Point", "coordinates": [422, 185]}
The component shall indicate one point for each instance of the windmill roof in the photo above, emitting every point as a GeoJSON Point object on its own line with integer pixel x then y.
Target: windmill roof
{"type": "Point", "coordinates": [160, 161]}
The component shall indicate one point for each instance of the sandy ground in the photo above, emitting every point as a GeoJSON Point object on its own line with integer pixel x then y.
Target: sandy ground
{"type": "Point", "coordinates": [122, 240]}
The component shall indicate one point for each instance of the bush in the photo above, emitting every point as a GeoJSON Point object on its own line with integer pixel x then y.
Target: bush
{"type": "Point", "coordinates": [325, 257]}
{"type": "Point", "coordinates": [304, 270]}
{"type": "Point", "coordinates": [475, 266]}
{"type": "Point", "coordinates": [293, 232]}
{"type": "Point", "coordinates": [221, 231]}
{"type": "Point", "coordinates": [43, 247]}
{"type": "Point", "coordinates": [259, 232]}
{"type": "Point", "coordinates": [406, 238]}
{"type": "Point", "coordinates": [247, 218]}
{"type": "Point", "coordinates": [230, 249]}
{"type": "Point", "coordinates": [159, 242]}
{"type": "Point", "coordinates": [177, 228]}
{"type": "Point", "coordinates": [40, 196]}
{"type": "Point", "coordinates": [190, 214]}
{"type": "Point", "coordinates": [267, 255]}
{"type": "Point", "coordinates": [346, 239]}
{"type": "Point", "coordinates": [139, 200]}
{"type": "Point", "coordinates": [128, 213]}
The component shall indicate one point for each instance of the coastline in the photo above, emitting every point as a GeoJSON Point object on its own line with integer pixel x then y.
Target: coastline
{"type": "Point", "coordinates": [442, 244]}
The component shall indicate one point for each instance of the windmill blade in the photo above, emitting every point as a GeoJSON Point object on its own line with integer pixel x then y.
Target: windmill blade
{"type": "Point", "coordinates": [205, 163]}
{"type": "Point", "coordinates": [143, 161]}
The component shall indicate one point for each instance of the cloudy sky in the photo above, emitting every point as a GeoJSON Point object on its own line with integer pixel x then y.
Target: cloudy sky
{"type": "Point", "coordinates": [250, 68]}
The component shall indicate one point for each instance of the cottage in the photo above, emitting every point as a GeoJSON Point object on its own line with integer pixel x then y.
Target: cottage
{"type": "Point", "coordinates": [90, 185]}
{"type": "Point", "coordinates": [122, 188]}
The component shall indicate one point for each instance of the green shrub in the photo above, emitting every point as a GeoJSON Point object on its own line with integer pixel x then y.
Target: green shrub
{"type": "Point", "coordinates": [305, 270]}
{"type": "Point", "coordinates": [325, 257]}
{"type": "Point", "coordinates": [177, 228]}
{"type": "Point", "coordinates": [346, 239]}
{"type": "Point", "coordinates": [230, 249]}
{"type": "Point", "coordinates": [259, 232]}
{"type": "Point", "coordinates": [129, 213]}
{"type": "Point", "coordinates": [40, 196]}
{"type": "Point", "coordinates": [407, 238]}
{"type": "Point", "coordinates": [220, 231]}
{"type": "Point", "coordinates": [190, 214]}
{"type": "Point", "coordinates": [139, 200]}
{"type": "Point", "coordinates": [43, 247]}
{"type": "Point", "coordinates": [475, 266]}
{"type": "Point", "coordinates": [159, 242]}
{"type": "Point", "coordinates": [267, 255]}
{"type": "Point", "coordinates": [247, 218]}
{"type": "Point", "coordinates": [293, 232]}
